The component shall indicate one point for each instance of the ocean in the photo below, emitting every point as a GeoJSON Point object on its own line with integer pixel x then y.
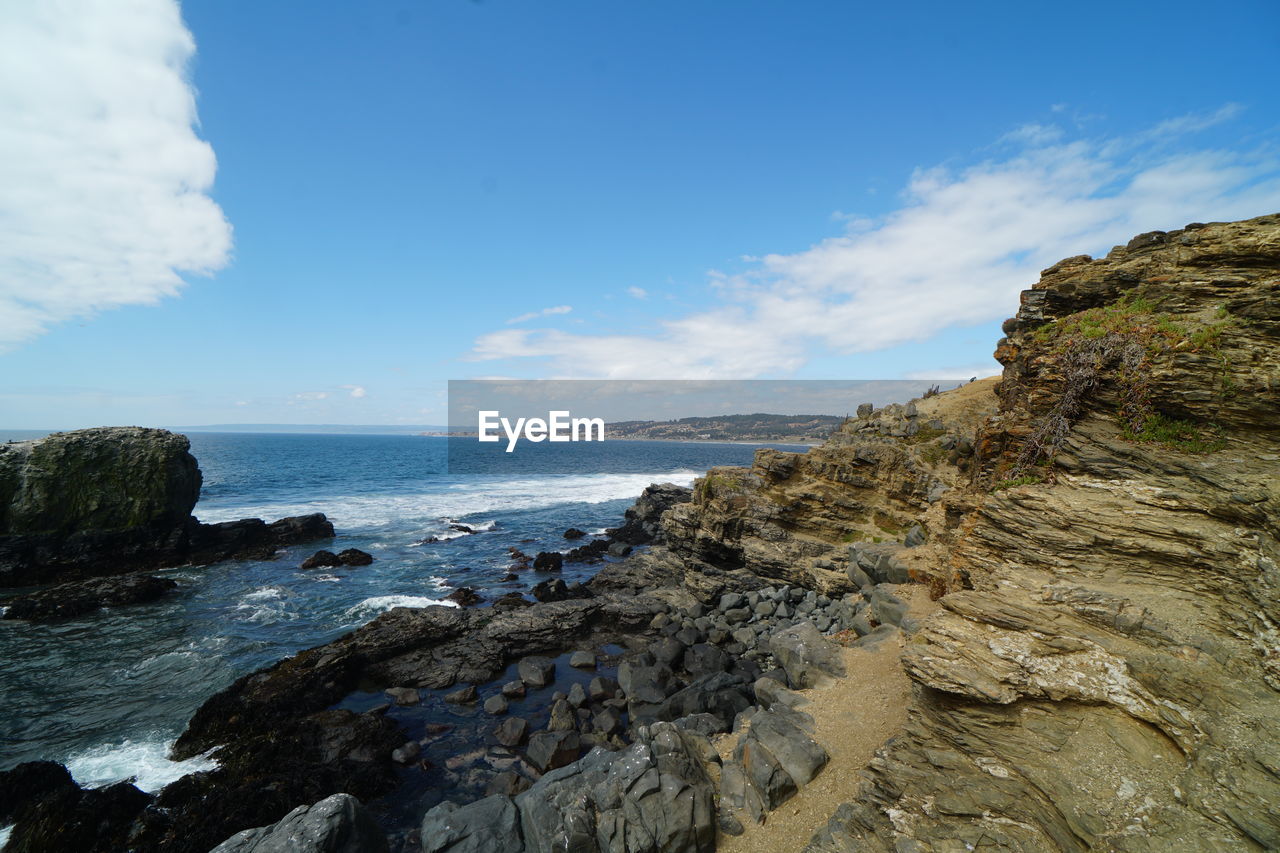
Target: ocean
{"type": "Point", "coordinates": [107, 694]}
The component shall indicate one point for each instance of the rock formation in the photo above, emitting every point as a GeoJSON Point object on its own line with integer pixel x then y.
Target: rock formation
{"type": "Point", "coordinates": [117, 499]}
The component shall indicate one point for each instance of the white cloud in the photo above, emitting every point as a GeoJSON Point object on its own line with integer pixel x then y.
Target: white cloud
{"type": "Point", "coordinates": [638, 292]}
{"type": "Point", "coordinates": [356, 391]}
{"type": "Point", "coordinates": [103, 181]}
{"type": "Point", "coordinates": [312, 395]}
{"type": "Point", "coordinates": [545, 312]}
{"type": "Point", "coordinates": [957, 253]}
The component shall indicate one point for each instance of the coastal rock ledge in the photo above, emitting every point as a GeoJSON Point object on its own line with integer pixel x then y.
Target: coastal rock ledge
{"type": "Point", "coordinates": [111, 500]}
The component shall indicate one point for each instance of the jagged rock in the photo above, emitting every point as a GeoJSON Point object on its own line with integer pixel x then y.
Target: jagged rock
{"type": "Point", "coordinates": [80, 597]}
{"type": "Point", "coordinates": [94, 820]}
{"type": "Point", "coordinates": [462, 696]}
{"type": "Point", "coordinates": [511, 731]}
{"type": "Point", "coordinates": [653, 795]}
{"type": "Point", "coordinates": [642, 523]}
{"type": "Point", "coordinates": [337, 824]}
{"type": "Point", "coordinates": [113, 500]}
{"type": "Point", "coordinates": [465, 596]}
{"type": "Point", "coordinates": [1109, 680]}
{"type": "Point", "coordinates": [28, 783]}
{"type": "Point", "coordinates": [485, 826]}
{"type": "Point", "coordinates": [536, 671]}
{"type": "Point", "coordinates": [548, 561]}
{"type": "Point", "coordinates": [807, 657]}
{"type": "Point", "coordinates": [549, 750]}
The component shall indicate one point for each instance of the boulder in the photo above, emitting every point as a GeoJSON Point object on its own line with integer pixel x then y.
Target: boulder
{"type": "Point", "coordinates": [113, 500]}
{"type": "Point", "coordinates": [465, 596]}
{"type": "Point", "coordinates": [79, 597]}
{"type": "Point", "coordinates": [336, 824]}
{"type": "Point", "coordinates": [574, 533]}
{"type": "Point", "coordinates": [485, 826]}
{"type": "Point", "coordinates": [321, 559]}
{"type": "Point", "coordinates": [496, 704]}
{"type": "Point", "coordinates": [354, 557]}
{"type": "Point", "coordinates": [511, 731]}
{"type": "Point", "coordinates": [536, 671]}
{"type": "Point", "coordinates": [548, 561]}
{"type": "Point", "coordinates": [93, 820]}
{"type": "Point", "coordinates": [462, 696]}
{"type": "Point", "coordinates": [808, 657]}
{"type": "Point", "coordinates": [583, 659]}
{"type": "Point", "coordinates": [549, 750]}
{"type": "Point", "coordinates": [28, 783]}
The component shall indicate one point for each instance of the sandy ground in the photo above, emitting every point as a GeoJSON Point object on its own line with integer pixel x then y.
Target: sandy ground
{"type": "Point", "coordinates": [853, 717]}
{"type": "Point", "coordinates": [969, 404]}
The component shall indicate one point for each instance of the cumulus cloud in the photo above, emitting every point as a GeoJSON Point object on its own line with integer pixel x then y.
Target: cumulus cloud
{"type": "Point", "coordinates": [956, 253]}
{"type": "Point", "coordinates": [638, 292]}
{"type": "Point", "coordinates": [545, 312]}
{"type": "Point", "coordinates": [103, 180]}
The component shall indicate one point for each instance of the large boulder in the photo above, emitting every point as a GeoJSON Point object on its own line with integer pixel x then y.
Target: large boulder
{"type": "Point", "coordinates": [111, 500]}
{"type": "Point", "coordinates": [337, 824]}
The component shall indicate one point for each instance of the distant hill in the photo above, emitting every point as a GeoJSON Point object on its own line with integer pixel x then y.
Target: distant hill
{"type": "Point", "coordinates": [754, 427]}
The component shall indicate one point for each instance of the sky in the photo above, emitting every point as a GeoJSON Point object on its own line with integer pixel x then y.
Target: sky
{"type": "Point", "coordinates": [319, 212]}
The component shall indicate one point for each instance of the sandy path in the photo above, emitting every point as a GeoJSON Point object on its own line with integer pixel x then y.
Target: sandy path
{"type": "Point", "coordinates": [853, 717]}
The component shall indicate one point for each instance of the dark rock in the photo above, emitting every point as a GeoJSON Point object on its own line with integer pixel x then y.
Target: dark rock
{"type": "Point", "coordinates": [407, 753]}
{"type": "Point", "coordinates": [577, 695]}
{"type": "Point", "coordinates": [583, 659]}
{"type": "Point", "coordinates": [403, 695]}
{"type": "Point", "coordinates": [800, 756]}
{"type": "Point", "coordinates": [720, 694]}
{"type": "Point", "coordinates": [321, 559]}
{"type": "Point", "coordinates": [496, 704]}
{"type": "Point", "coordinates": [886, 608]}
{"type": "Point", "coordinates": [354, 557]}
{"type": "Point", "coordinates": [764, 772]}
{"type": "Point", "coordinates": [602, 688]}
{"type": "Point", "coordinates": [79, 597]}
{"type": "Point", "coordinates": [465, 596]}
{"type": "Point", "coordinates": [549, 750]}
{"type": "Point", "coordinates": [462, 696]}
{"type": "Point", "coordinates": [536, 671]}
{"type": "Point", "coordinates": [574, 533]}
{"type": "Point", "coordinates": [618, 549]}
{"type": "Point", "coordinates": [562, 718]}
{"type": "Point", "coordinates": [591, 552]}
{"type": "Point", "coordinates": [508, 783]}
{"type": "Point", "coordinates": [519, 559]}
{"type": "Point", "coordinates": [511, 731]}
{"type": "Point", "coordinates": [806, 655]}
{"type": "Point", "coordinates": [485, 826]}
{"type": "Point", "coordinates": [642, 520]}
{"type": "Point", "coordinates": [548, 561]}
{"type": "Point", "coordinates": [703, 724]}
{"type": "Point", "coordinates": [513, 690]}
{"type": "Point", "coordinates": [29, 783]}
{"type": "Point", "coordinates": [915, 537]}
{"type": "Point", "coordinates": [94, 820]}
{"type": "Point", "coordinates": [703, 659]}
{"type": "Point", "coordinates": [511, 600]}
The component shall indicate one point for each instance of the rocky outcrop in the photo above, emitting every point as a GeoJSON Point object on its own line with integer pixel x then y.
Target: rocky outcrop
{"type": "Point", "coordinates": [117, 499]}
{"type": "Point", "coordinates": [74, 599]}
{"type": "Point", "coordinates": [655, 795]}
{"type": "Point", "coordinates": [642, 521]}
{"type": "Point", "coordinates": [337, 824]}
{"type": "Point", "coordinates": [1108, 677]}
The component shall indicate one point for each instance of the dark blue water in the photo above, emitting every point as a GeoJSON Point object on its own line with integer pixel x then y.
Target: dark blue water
{"type": "Point", "coordinates": [108, 693]}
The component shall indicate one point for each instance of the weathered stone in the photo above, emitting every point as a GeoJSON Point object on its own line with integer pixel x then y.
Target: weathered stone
{"type": "Point", "coordinates": [336, 824]}
{"type": "Point", "coordinates": [583, 659]}
{"type": "Point", "coordinates": [807, 656]}
{"type": "Point", "coordinates": [549, 750]}
{"type": "Point", "coordinates": [462, 696]}
{"type": "Point", "coordinates": [496, 704]}
{"type": "Point", "coordinates": [485, 826]}
{"type": "Point", "coordinates": [511, 731]}
{"type": "Point", "coordinates": [536, 671]}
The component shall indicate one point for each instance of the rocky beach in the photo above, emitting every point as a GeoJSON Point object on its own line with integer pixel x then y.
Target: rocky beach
{"type": "Point", "coordinates": [1037, 612]}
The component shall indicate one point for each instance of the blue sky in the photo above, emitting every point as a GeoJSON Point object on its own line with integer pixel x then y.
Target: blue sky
{"type": "Point", "coordinates": [408, 192]}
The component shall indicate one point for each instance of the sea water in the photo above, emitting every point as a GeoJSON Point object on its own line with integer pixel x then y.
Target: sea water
{"type": "Point", "coordinates": [109, 692]}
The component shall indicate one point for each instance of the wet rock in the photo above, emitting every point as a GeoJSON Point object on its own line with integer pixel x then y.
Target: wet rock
{"type": "Point", "coordinates": [511, 731]}
{"type": "Point", "coordinates": [574, 533]}
{"type": "Point", "coordinates": [465, 596]}
{"type": "Point", "coordinates": [80, 597]}
{"type": "Point", "coordinates": [462, 696]}
{"type": "Point", "coordinates": [354, 557]}
{"type": "Point", "coordinates": [28, 783]}
{"type": "Point", "coordinates": [583, 659]}
{"type": "Point", "coordinates": [577, 695]}
{"type": "Point", "coordinates": [548, 561]}
{"type": "Point", "coordinates": [549, 750]}
{"type": "Point", "coordinates": [562, 718]}
{"type": "Point", "coordinates": [513, 690]}
{"type": "Point", "coordinates": [511, 600]}
{"type": "Point", "coordinates": [321, 559]}
{"type": "Point", "coordinates": [536, 671]}
{"type": "Point", "coordinates": [602, 688]}
{"type": "Point", "coordinates": [403, 695]}
{"type": "Point", "coordinates": [407, 753]}
{"type": "Point", "coordinates": [496, 704]}
{"type": "Point", "coordinates": [485, 826]}
{"type": "Point", "coordinates": [93, 820]}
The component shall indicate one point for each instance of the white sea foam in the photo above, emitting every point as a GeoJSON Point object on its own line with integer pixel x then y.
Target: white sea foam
{"type": "Point", "coordinates": [144, 761]}
{"type": "Point", "coordinates": [4, 835]}
{"type": "Point", "coordinates": [266, 604]}
{"type": "Point", "coordinates": [472, 496]}
{"type": "Point", "coordinates": [382, 603]}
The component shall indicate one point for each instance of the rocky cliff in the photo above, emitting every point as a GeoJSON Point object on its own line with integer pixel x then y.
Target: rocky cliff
{"type": "Point", "coordinates": [1100, 525]}
{"type": "Point", "coordinates": [112, 500]}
